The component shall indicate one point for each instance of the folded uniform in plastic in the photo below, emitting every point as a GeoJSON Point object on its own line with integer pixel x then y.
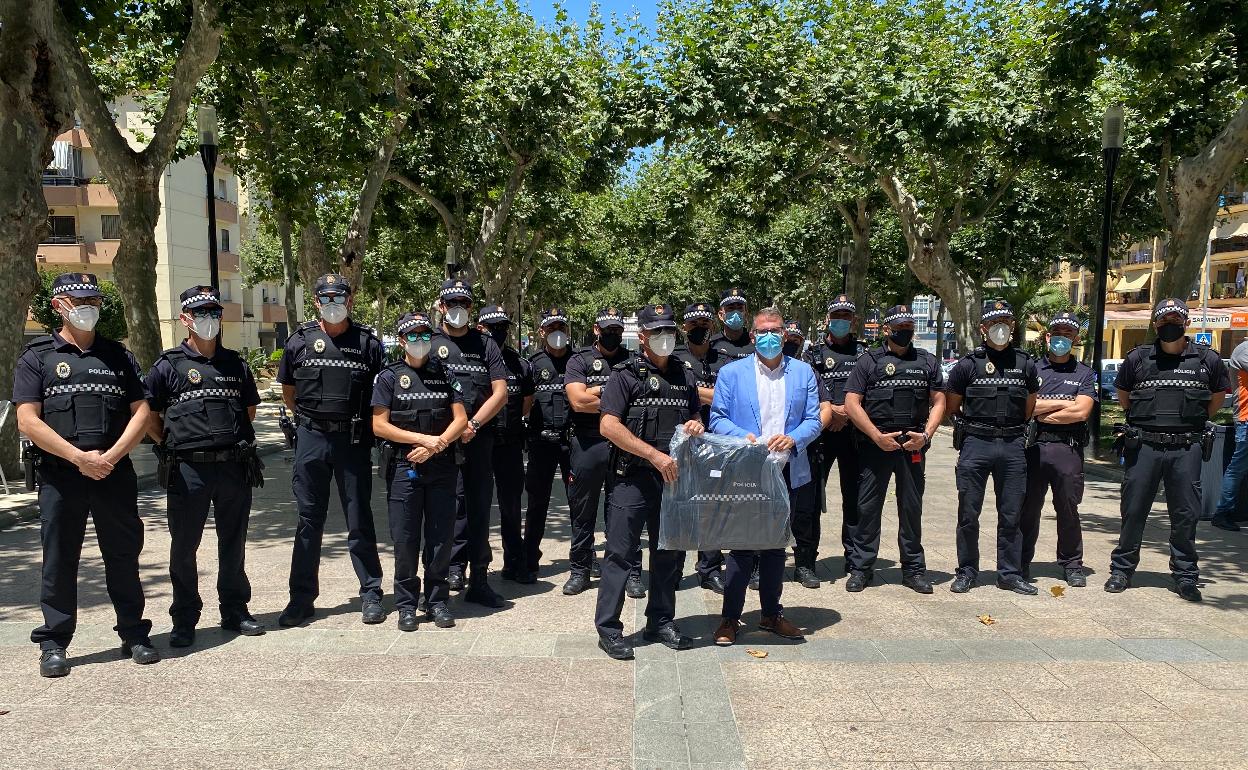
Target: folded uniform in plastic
{"type": "Point", "coordinates": [729, 494]}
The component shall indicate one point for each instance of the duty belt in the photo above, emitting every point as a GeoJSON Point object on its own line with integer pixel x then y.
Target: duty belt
{"type": "Point", "coordinates": [1170, 439]}
{"type": "Point", "coordinates": [1058, 437]}
{"type": "Point", "coordinates": [232, 454]}
{"type": "Point", "coordinates": [324, 426]}
{"type": "Point", "coordinates": [991, 431]}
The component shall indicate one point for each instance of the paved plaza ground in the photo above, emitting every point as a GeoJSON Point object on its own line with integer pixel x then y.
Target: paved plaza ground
{"type": "Point", "coordinates": [886, 679]}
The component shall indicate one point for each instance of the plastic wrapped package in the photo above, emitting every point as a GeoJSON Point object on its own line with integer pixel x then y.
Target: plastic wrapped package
{"type": "Point", "coordinates": [729, 494]}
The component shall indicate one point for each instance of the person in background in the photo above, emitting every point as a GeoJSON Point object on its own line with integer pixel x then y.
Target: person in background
{"type": "Point", "coordinates": [1224, 516]}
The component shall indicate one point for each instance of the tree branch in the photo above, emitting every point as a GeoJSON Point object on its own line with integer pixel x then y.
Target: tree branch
{"type": "Point", "coordinates": [448, 218]}
{"type": "Point", "coordinates": [356, 240]}
{"type": "Point", "coordinates": [1163, 185]}
{"type": "Point", "coordinates": [199, 51]}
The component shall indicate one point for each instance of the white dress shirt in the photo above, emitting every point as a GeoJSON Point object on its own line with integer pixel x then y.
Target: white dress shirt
{"type": "Point", "coordinates": [771, 411]}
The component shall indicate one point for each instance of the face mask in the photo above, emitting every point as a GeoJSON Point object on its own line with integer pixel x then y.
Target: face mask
{"type": "Point", "coordinates": [662, 345]}
{"type": "Point", "coordinates": [83, 317]}
{"type": "Point", "coordinates": [1170, 332]}
{"type": "Point", "coordinates": [557, 340]}
{"type": "Point", "coordinates": [418, 349]}
{"type": "Point", "coordinates": [610, 340]}
{"type": "Point", "coordinates": [999, 334]}
{"type": "Point", "coordinates": [769, 345]}
{"type": "Point", "coordinates": [901, 337]}
{"type": "Point", "coordinates": [734, 320]}
{"type": "Point", "coordinates": [457, 317]}
{"type": "Point", "coordinates": [697, 335]}
{"type": "Point", "coordinates": [205, 327]}
{"type": "Point", "coordinates": [334, 314]}
{"type": "Point", "coordinates": [1060, 346]}
{"type": "Point", "coordinates": [838, 327]}
{"type": "Point", "coordinates": [499, 334]}
{"type": "Point", "coordinates": [791, 348]}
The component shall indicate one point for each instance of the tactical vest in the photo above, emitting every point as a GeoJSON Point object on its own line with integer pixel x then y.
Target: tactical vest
{"type": "Point", "coordinates": [552, 412]}
{"type": "Point", "coordinates": [733, 350]}
{"type": "Point", "coordinates": [597, 372]}
{"type": "Point", "coordinates": [663, 406]}
{"type": "Point", "coordinates": [900, 397]}
{"type": "Point", "coordinates": [834, 366]}
{"type": "Point", "coordinates": [421, 401]}
{"type": "Point", "coordinates": [84, 400]}
{"type": "Point", "coordinates": [205, 412]}
{"type": "Point", "coordinates": [507, 422]}
{"type": "Point", "coordinates": [1172, 400]}
{"type": "Point", "coordinates": [332, 384]}
{"type": "Point", "coordinates": [469, 368]}
{"type": "Point", "coordinates": [995, 397]}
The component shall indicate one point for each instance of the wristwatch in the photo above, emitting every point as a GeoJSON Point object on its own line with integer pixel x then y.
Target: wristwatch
{"type": "Point", "coordinates": [472, 422]}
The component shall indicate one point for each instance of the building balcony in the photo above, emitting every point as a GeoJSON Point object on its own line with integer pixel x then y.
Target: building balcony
{"type": "Point", "coordinates": [91, 194]}
{"type": "Point", "coordinates": [227, 262]}
{"type": "Point", "coordinates": [62, 253]}
{"type": "Point", "coordinates": [272, 313]}
{"type": "Point", "coordinates": [226, 211]}
{"type": "Point", "coordinates": [231, 311]}
{"type": "Point", "coordinates": [102, 252]}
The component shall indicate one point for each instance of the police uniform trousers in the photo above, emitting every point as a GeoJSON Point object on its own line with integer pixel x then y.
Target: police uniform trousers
{"type": "Point", "coordinates": [740, 564]}
{"type": "Point", "coordinates": [192, 488]}
{"type": "Point", "coordinates": [633, 502]}
{"type": "Point", "coordinates": [474, 494]}
{"type": "Point", "coordinates": [320, 457]}
{"type": "Point", "coordinates": [833, 446]}
{"type": "Point", "coordinates": [877, 469]}
{"type": "Point", "coordinates": [1004, 461]}
{"type": "Point", "coordinates": [1056, 465]}
{"type": "Point", "coordinates": [66, 498]}
{"type": "Point", "coordinates": [420, 500]}
{"type": "Point", "coordinates": [1146, 466]}
{"type": "Point", "coordinates": [590, 457]}
{"type": "Point", "coordinates": [545, 457]}
{"type": "Point", "coordinates": [509, 480]}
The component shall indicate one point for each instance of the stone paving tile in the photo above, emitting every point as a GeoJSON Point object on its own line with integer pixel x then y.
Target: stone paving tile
{"type": "Point", "coordinates": [529, 737]}
{"type": "Point", "coordinates": [1168, 650]}
{"type": "Point", "coordinates": [594, 738]}
{"type": "Point", "coordinates": [1217, 676]}
{"type": "Point", "coordinates": [845, 650]}
{"type": "Point", "coordinates": [1107, 675]}
{"type": "Point", "coordinates": [660, 741]}
{"type": "Point", "coordinates": [528, 645]}
{"type": "Point", "coordinates": [1192, 741]}
{"type": "Point", "coordinates": [503, 670]}
{"type": "Point", "coordinates": [855, 677]}
{"type": "Point", "coordinates": [781, 744]}
{"type": "Point", "coordinates": [1084, 649]}
{"type": "Point", "coordinates": [980, 741]}
{"type": "Point", "coordinates": [1235, 650]}
{"type": "Point", "coordinates": [973, 705]}
{"type": "Point", "coordinates": [1202, 705]}
{"type": "Point", "coordinates": [713, 742]}
{"type": "Point", "coordinates": [320, 666]}
{"type": "Point", "coordinates": [920, 651]}
{"type": "Point", "coordinates": [999, 766]}
{"type": "Point", "coordinates": [1005, 676]}
{"type": "Point", "coordinates": [703, 693]}
{"type": "Point", "coordinates": [577, 646]}
{"type": "Point", "coordinates": [1092, 705]}
{"type": "Point", "coordinates": [428, 642]}
{"type": "Point", "coordinates": [1002, 650]}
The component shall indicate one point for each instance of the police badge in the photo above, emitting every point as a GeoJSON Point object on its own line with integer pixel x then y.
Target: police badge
{"type": "Point", "coordinates": [654, 383]}
{"type": "Point", "coordinates": [829, 362]}
{"type": "Point", "coordinates": [62, 370]}
{"type": "Point", "coordinates": [597, 364]}
{"type": "Point", "coordinates": [194, 376]}
{"type": "Point", "coordinates": [990, 367]}
{"type": "Point", "coordinates": [405, 382]}
{"type": "Point", "coordinates": [443, 351]}
{"type": "Point", "coordinates": [890, 370]}
{"type": "Point", "coordinates": [319, 346]}
{"type": "Point", "coordinates": [545, 374]}
{"type": "Point", "coordinates": [688, 364]}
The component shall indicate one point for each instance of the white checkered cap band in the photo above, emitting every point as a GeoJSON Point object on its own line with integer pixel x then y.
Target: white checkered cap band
{"type": "Point", "coordinates": [413, 322]}
{"type": "Point", "coordinates": [1162, 310]}
{"type": "Point", "coordinates": [888, 319]}
{"type": "Point", "coordinates": [77, 287]}
{"type": "Point", "coordinates": [554, 319]}
{"type": "Point", "coordinates": [208, 393]}
{"type": "Point", "coordinates": [696, 314]}
{"type": "Point", "coordinates": [199, 298]}
{"type": "Point", "coordinates": [1064, 321]}
{"type": "Point", "coordinates": [497, 315]}
{"type": "Point", "coordinates": [456, 291]}
{"type": "Point", "coordinates": [1003, 312]}
{"type": "Point", "coordinates": [842, 305]}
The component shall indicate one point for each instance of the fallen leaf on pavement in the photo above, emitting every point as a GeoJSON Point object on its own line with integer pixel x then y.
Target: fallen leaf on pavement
{"type": "Point", "coordinates": [1058, 591]}
{"type": "Point", "coordinates": [987, 620]}
{"type": "Point", "coordinates": [4, 713]}
{"type": "Point", "coordinates": [757, 653]}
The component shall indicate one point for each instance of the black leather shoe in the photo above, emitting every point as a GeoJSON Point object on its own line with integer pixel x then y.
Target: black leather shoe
{"type": "Point", "coordinates": [455, 579]}
{"type": "Point", "coordinates": [246, 626]}
{"type": "Point", "coordinates": [441, 616]}
{"type": "Point", "coordinates": [1188, 591]}
{"type": "Point", "coordinates": [526, 577]}
{"type": "Point", "coordinates": [294, 616]}
{"type": "Point", "coordinates": [917, 582]}
{"type": "Point", "coordinates": [182, 636]}
{"type": "Point", "coordinates": [507, 573]}
{"type": "Point", "coordinates": [1016, 584]}
{"type": "Point", "coordinates": [856, 582]}
{"type": "Point", "coordinates": [754, 580]}
{"type": "Point", "coordinates": [53, 663]}
{"type": "Point", "coordinates": [634, 587]}
{"type": "Point", "coordinates": [668, 636]}
{"type": "Point", "coordinates": [479, 592]}
{"type": "Point", "coordinates": [372, 612]}
{"type": "Point", "coordinates": [1225, 524]}
{"type": "Point", "coordinates": [806, 576]}
{"type": "Point", "coordinates": [577, 583]}
{"type": "Point", "coordinates": [595, 569]}
{"type": "Point", "coordinates": [615, 647]}
{"type": "Point", "coordinates": [143, 654]}
{"type": "Point", "coordinates": [962, 583]}
{"type": "Point", "coordinates": [407, 619]}
{"type": "Point", "coordinates": [713, 582]}
{"type": "Point", "coordinates": [1117, 583]}
{"type": "Point", "coordinates": [1075, 578]}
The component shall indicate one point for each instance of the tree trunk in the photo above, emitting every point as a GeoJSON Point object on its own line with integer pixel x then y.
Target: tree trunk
{"type": "Point", "coordinates": [135, 268]}
{"type": "Point", "coordinates": [313, 257]}
{"type": "Point", "coordinates": [940, 327]}
{"type": "Point", "coordinates": [355, 242]}
{"type": "Point", "coordinates": [290, 270]}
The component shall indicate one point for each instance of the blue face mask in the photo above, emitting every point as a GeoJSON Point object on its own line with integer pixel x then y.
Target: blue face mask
{"type": "Point", "coordinates": [769, 345]}
{"type": "Point", "coordinates": [1060, 346]}
{"type": "Point", "coordinates": [734, 320]}
{"type": "Point", "coordinates": [838, 327]}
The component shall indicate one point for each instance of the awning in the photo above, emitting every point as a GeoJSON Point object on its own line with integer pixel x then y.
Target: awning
{"type": "Point", "coordinates": [1134, 282]}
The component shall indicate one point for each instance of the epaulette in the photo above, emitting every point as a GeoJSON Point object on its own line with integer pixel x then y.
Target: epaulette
{"type": "Point", "coordinates": [40, 344]}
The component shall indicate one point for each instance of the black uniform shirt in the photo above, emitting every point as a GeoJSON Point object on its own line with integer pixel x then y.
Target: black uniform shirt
{"type": "Point", "coordinates": [471, 349]}
{"type": "Point", "coordinates": [1004, 360]}
{"type": "Point", "coordinates": [28, 374]}
{"type": "Point", "coordinates": [296, 351]}
{"type": "Point", "coordinates": [734, 350]}
{"type": "Point", "coordinates": [1128, 374]}
{"type": "Point", "coordinates": [1065, 381]}
{"type": "Point", "coordinates": [624, 388]}
{"type": "Point", "coordinates": [863, 376]}
{"type": "Point", "coordinates": [383, 388]}
{"type": "Point", "coordinates": [164, 382]}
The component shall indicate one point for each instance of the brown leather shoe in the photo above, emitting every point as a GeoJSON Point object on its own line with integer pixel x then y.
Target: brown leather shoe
{"type": "Point", "coordinates": [780, 626]}
{"type": "Point", "coordinates": [726, 634]}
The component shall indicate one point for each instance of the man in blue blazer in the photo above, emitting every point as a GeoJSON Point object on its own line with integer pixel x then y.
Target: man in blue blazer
{"type": "Point", "coordinates": [774, 398]}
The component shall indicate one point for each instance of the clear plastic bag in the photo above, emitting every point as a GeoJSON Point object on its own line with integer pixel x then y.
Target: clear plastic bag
{"type": "Point", "coordinates": [729, 494]}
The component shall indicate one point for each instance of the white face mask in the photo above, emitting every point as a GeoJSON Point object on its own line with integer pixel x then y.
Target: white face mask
{"type": "Point", "coordinates": [334, 313]}
{"type": "Point", "coordinates": [82, 317]}
{"type": "Point", "coordinates": [418, 349]}
{"type": "Point", "coordinates": [999, 333]}
{"type": "Point", "coordinates": [205, 327]}
{"type": "Point", "coordinates": [557, 340]}
{"type": "Point", "coordinates": [457, 317]}
{"type": "Point", "coordinates": [662, 345]}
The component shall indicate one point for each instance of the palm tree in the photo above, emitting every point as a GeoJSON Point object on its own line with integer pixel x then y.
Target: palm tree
{"type": "Point", "coordinates": [1034, 301]}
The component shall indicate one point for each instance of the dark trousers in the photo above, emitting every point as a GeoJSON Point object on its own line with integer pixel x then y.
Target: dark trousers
{"type": "Point", "coordinates": [1146, 467]}
{"type": "Point", "coordinates": [737, 578]}
{"type": "Point", "coordinates": [509, 481]}
{"type": "Point", "coordinates": [842, 448]}
{"type": "Point", "coordinates": [319, 458]}
{"type": "Point", "coordinates": [474, 493]}
{"type": "Point", "coordinates": [544, 458]}
{"type": "Point", "coordinates": [877, 469]}
{"type": "Point", "coordinates": [66, 498]}
{"type": "Point", "coordinates": [423, 506]}
{"type": "Point", "coordinates": [192, 489]}
{"type": "Point", "coordinates": [709, 562]}
{"type": "Point", "coordinates": [633, 501]}
{"type": "Point", "coordinates": [1003, 460]}
{"type": "Point", "coordinates": [590, 457]}
{"type": "Point", "coordinates": [1059, 466]}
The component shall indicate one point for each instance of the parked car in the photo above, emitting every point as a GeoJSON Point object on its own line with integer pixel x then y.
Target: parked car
{"type": "Point", "coordinates": [1109, 374]}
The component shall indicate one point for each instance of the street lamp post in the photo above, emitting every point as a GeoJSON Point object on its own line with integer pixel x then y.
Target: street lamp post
{"type": "Point", "coordinates": [206, 120]}
{"type": "Point", "coordinates": [844, 269]}
{"type": "Point", "coordinates": [450, 260]}
{"type": "Point", "coordinates": [1111, 151]}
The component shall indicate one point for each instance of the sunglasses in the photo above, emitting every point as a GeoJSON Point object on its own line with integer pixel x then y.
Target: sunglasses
{"type": "Point", "coordinates": [206, 313]}
{"type": "Point", "coordinates": [332, 299]}
{"type": "Point", "coordinates": [418, 336]}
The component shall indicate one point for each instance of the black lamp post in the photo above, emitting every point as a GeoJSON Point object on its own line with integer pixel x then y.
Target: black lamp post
{"type": "Point", "coordinates": [206, 120]}
{"type": "Point", "coordinates": [844, 269]}
{"type": "Point", "coordinates": [1111, 151]}
{"type": "Point", "coordinates": [450, 260]}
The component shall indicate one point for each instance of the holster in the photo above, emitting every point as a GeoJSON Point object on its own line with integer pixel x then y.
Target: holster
{"type": "Point", "coordinates": [385, 450]}
{"type": "Point", "coordinates": [1126, 438]}
{"type": "Point", "coordinates": [253, 464]}
{"type": "Point", "coordinates": [31, 458]}
{"type": "Point", "coordinates": [288, 427]}
{"type": "Point", "coordinates": [959, 432]}
{"type": "Point", "coordinates": [1030, 433]}
{"type": "Point", "coordinates": [1206, 441]}
{"type": "Point", "coordinates": [165, 463]}
{"type": "Point", "coordinates": [621, 462]}
{"type": "Point", "coordinates": [358, 427]}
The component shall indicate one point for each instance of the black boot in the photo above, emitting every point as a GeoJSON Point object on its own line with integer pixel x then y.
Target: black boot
{"type": "Point", "coordinates": [479, 592]}
{"type": "Point", "coordinates": [53, 663]}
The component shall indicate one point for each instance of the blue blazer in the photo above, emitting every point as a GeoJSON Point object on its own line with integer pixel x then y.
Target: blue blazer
{"type": "Point", "coordinates": [735, 412]}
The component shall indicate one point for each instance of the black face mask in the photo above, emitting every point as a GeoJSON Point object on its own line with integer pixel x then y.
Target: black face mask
{"type": "Point", "coordinates": [1170, 332]}
{"type": "Point", "coordinates": [499, 334]}
{"type": "Point", "coordinates": [610, 341]}
{"type": "Point", "coordinates": [791, 349]}
{"type": "Point", "coordinates": [901, 337]}
{"type": "Point", "coordinates": [697, 335]}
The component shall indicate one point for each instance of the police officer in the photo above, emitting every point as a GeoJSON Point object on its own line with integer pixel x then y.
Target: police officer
{"type": "Point", "coordinates": [203, 400]}
{"type": "Point", "coordinates": [804, 500]}
{"type": "Point", "coordinates": [327, 373]}
{"type": "Point", "coordinates": [1169, 390]}
{"type": "Point", "coordinates": [833, 359]}
{"type": "Point", "coordinates": [894, 397]}
{"type": "Point", "coordinates": [549, 422]}
{"type": "Point", "coordinates": [476, 361]}
{"type": "Point", "coordinates": [705, 362]}
{"type": "Point", "coordinates": [992, 394]}
{"type": "Point", "coordinates": [646, 399]}
{"type": "Point", "coordinates": [586, 375]}
{"type": "Point", "coordinates": [80, 399]}
{"type": "Point", "coordinates": [734, 340]}
{"type": "Point", "coordinates": [418, 410]}
{"type": "Point", "coordinates": [1055, 451]}
{"type": "Point", "coordinates": [508, 429]}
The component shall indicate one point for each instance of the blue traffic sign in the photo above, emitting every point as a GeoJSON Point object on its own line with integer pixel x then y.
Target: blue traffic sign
{"type": "Point", "coordinates": [1204, 338]}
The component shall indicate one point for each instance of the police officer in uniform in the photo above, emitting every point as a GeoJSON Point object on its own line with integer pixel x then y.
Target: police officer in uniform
{"type": "Point", "coordinates": [327, 373]}
{"type": "Point", "coordinates": [508, 429]}
{"type": "Point", "coordinates": [203, 401]}
{"type": "Point", "coordinates": [550, 419]}
{"type": "Point", "coordinates": [734, 340]}
{"type": "Point", "coordinates": [1169, 389]}
{"type": "Point", "coordinates": [477, 363]}
{"type": "Point", "coordinates": [804, 500]}
{"type": "Point", "coordinates": [1055, 451]}
{"type": "Point", "coordinates": [992, 394]}
{"type": "Point", "coordinates": [646, 399]}
{"type": "Point", "coordinates": [584, 379]}
{"type": "Point", "coordinates": [80, 399]}
{"type": "Point", "coordinates": [894, 397]}
{"type": "Point", "coordinates": [418, 411]}
{"type": "Point", "coordinates": [833, 359]}
{"type": "Point", "coordinates": [704, 361]}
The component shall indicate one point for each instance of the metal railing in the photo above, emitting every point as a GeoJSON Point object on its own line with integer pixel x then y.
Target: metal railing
{"type": "Point", "coordinates": [61, 239]}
